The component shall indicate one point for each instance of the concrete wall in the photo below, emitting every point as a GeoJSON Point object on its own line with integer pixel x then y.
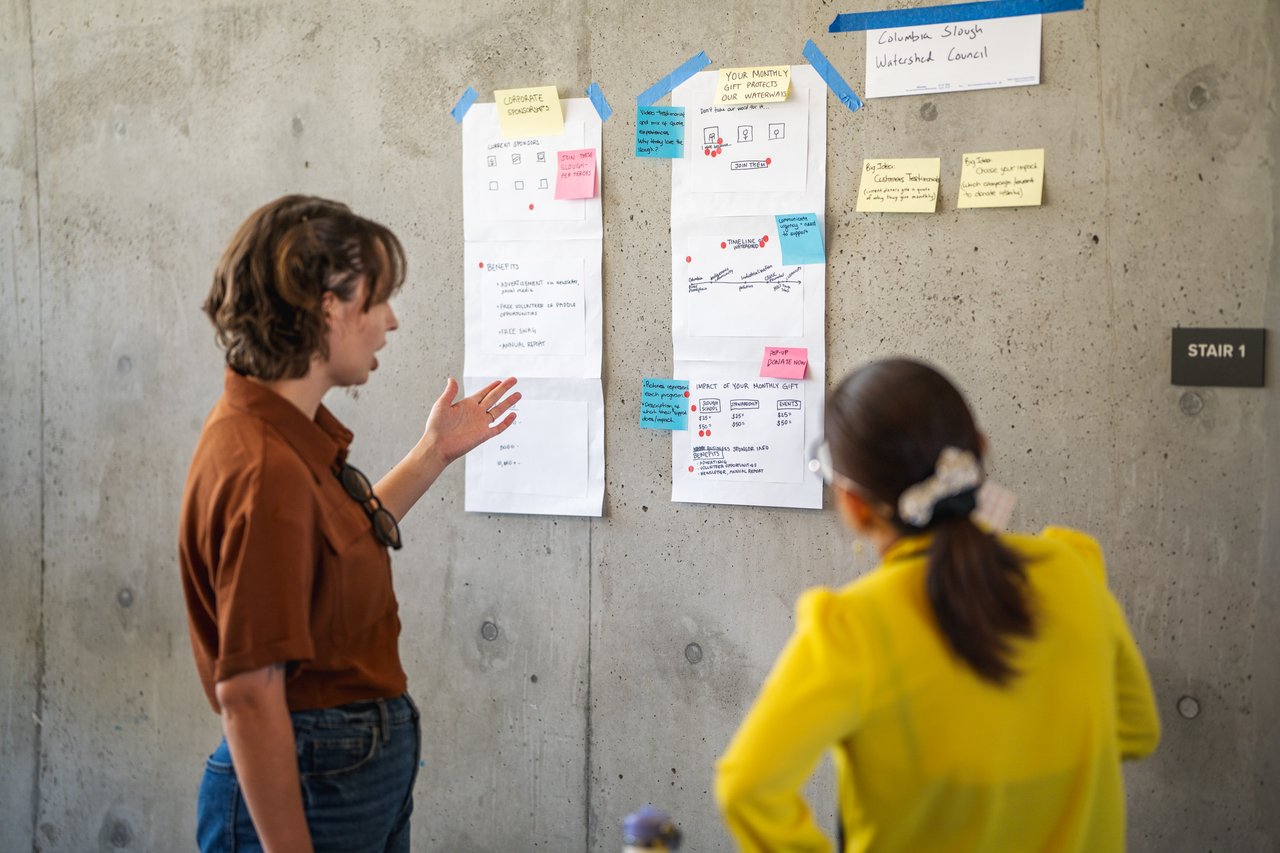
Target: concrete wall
{"type": "Point", "coordinates": [135, 135]}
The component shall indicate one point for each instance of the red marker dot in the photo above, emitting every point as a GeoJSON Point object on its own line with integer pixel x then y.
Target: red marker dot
{"type": "Point", "coordinates": [706, 151]}
{"type": "Point", "coordinates": [686, 393]}
{"type": "Point", "coordinates": [482, 265]}
{"type": "Point", "coordinates": [764, 239]}
{"type": "Point", "coordinates": [768, 161]}
{"type": "Point", "coordinates": [531, 207]}
{"type": "Point", "coordinates": [724, 245]}
{"type": "Point", "coordinates": [708, 433]}
{"type": "Point", "coordinates": [690, 469]}
{"type": "Point", "coordinates": [688, 259]}
{"type": "Point", "coordinates": [693, 408]}
{"type": "Point", "coordinates": [715, 153]}
{"type": "Point", "coordinates": [719, 140]}
{"type": "Point", "coordinates": [700, 432]}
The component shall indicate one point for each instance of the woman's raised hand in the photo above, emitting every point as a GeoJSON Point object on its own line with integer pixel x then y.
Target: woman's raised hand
{"type": "Point", "coordinates": [453, 429]}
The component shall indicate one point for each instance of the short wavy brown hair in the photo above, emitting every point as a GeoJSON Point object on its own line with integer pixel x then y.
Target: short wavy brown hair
{"type": "Point", "coordinates": [268, 287]}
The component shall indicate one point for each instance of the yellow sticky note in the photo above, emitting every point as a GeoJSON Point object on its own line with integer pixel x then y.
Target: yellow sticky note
{"type": "Point", "coordinates": [899, 186]}
{"type": "Point", "coordinates": [753, 85]}
{"type": "Point", "coordinates": [1002, 179]}
{"type": "Point", "coordinates": [529, 112]}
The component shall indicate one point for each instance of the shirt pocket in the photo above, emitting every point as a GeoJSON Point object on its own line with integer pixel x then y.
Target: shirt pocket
{"type": "Point", "coordinates": [358, 567]}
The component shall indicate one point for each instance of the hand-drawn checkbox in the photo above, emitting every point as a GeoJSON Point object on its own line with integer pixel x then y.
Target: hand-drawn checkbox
{"type": "Point", "coordinates": [542, 184]}
{"type": "Point", "coordinates": [709, 135]}
{"type": "Point", "coordinates": [493, 161]}
{"type": "Point", "coordinates": [515, 159]}
{"type": "Point", "coordinates": [542, 156]}
{"type": "Point", "coordinates": [777, 130]}
{"type": "Point", "coordinates": [745, 132]}
{"type": "Point", "coordinates": [519, 185]}
{"type": "Point", "coordinates": [493, 185]}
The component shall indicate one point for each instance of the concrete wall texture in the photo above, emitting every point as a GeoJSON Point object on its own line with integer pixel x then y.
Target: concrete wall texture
{"type": "Point", "coordinates": [136, 134]}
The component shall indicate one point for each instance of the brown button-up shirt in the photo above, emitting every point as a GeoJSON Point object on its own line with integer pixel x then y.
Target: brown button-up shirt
{"type": "Point", "coordinates": [279, 564]}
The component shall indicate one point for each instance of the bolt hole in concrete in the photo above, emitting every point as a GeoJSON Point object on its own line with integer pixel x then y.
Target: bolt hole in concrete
{"type": "Point", "coordinates": [297, 125]}
{"type": "Point", "coordinates": [1191, 403]}
{"type": "Point", "coordinates": [124, 364]}
{"type": "Point", "coordinates": [115, 835]}
{"type": "Point", "coordinates": [489, 631]}
{"type": "Point", "coordinates": [1198, 96]}
{"type": "Point", "coordinates": [125, 597]}
{"type": "Point", "coordinates": [693, 653]}
{"type": "Point", "coordinates": [1189, 707]}
{"type": "Point", "coordinates": [928, 111]}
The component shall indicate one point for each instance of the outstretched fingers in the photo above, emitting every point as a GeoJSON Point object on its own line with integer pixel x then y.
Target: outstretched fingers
{"type": "Point", "coordinates": [492, 393]}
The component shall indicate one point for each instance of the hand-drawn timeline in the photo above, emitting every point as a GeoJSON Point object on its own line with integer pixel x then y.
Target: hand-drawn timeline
{"type": "Point", "coordinates": [733, 296]}
{"type": "Point", "coordinates": [532, 309]}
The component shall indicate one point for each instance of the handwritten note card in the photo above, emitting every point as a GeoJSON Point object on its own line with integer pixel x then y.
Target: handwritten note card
{"type": "Point", "coordinates": [576, 175]}
{"type": "Point", "coordinates": [800, 238]}
{"type": "Point", "coordinates": [660, 132]}
{"type": "Point", "coordinates": [664, 403]}
{"type": "Point", "coordinates": [954, 57]}
{"type": "Point", "coordinates": [529, 112]}
{"type": "Point", "coordinates": [752, 85]}
{"type": "Point", "coordinates": [899, 186]}
{"type": "Point", "coordinates": [785, 362]}
{"type": "Point", "coordinates": [1002, 179]}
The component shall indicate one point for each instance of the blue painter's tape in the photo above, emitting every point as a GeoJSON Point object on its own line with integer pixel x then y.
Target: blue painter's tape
{"type": "Point", "coordinates": [843, 91]}
{"type": "Point", "coordinates": [596, 94]}
{"type": "Point", "coordinates": [850, 23]}
{"type": "Point", "coordinates": [464, 103]}
{"type": "Point", "coordinates": [650, 96]}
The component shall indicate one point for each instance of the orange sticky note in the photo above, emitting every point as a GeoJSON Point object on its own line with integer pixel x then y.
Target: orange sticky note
{"type": "Point", "coordinates": [785, 362]}
{"type": "Point", "coordinates": [576, 175]}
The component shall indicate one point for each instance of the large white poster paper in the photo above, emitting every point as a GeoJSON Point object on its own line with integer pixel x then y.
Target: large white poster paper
{"type": "Point", "coordinates": [989, 54]}
{"type": "Point", "coordinates": [532, 310]}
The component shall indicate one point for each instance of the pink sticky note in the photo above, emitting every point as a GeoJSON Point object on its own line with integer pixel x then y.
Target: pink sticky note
{"type": "Point", "coordinates": [785, 362]}
{"type": "Point", "coordinates": [576, 177]}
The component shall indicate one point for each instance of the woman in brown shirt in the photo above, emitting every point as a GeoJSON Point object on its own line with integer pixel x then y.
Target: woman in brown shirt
{"type": "Point", "coordinates": [283, 544]}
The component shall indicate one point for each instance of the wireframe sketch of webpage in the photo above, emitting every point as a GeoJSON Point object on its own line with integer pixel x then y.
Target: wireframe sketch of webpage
{"type": "Point", "coordinates": [551, 460]}
{"type": "Point", "coordinates": [749, 147]}
{"type": "Point", "coordinates": [746, 429]}
{"type": "Point", "coordinates": [738, 286]}
{"type": "Point", "coordinates": [532, 308]}
{"type": "Point", "coordinates": [509, 185]}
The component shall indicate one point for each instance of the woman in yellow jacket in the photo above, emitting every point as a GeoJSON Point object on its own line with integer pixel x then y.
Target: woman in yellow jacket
{"type": "Point", "coordinates": [978, 691]}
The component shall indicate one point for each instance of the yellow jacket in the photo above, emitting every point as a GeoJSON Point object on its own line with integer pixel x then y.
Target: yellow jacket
{"type": "Point", "coordinates": [928, 756]}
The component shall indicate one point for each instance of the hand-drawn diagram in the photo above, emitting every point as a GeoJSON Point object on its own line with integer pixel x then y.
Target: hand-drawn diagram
{"type": "Point", "coordinates": [768, 140]}
{"type": "Point", "coordinates": [738, 286]}
{"type": "Point", "coordinates": [518, 178]}
{"type": "Point", "coordinates": [747, 430]}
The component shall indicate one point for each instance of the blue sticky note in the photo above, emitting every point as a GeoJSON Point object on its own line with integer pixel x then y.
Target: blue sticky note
{"type": "Point", "coordinates": [800, 238]}
{"type": "Point", "coordinates": [664, 404]}
{"type": "Point", "coordinates": [660, 132]}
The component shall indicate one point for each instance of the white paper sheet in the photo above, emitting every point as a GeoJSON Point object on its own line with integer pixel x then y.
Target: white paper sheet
{"type": "Point", "coordinates": [737, 286]}
{"type": "Point", "coordinates": [732, 297]}
{"type": "Point", "coordinates": [509, 185]}
{"type": "Point", "coordinates": [748, 437]}
{"type": "Point", "coordinates": [551, 461]}
{"type": "Point", "coordinates": [989, 54]}
{"type": "Point", "coordinates": [691, 175]}
{"type": "Point", "coordinates": [749, 147]}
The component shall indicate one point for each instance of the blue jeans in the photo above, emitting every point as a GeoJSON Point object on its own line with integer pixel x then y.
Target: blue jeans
{"type": "Point", "coordinates": [357, 764]}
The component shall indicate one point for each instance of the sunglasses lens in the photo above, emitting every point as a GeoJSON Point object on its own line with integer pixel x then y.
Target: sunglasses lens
{"type": "Point", "coordinates": [384, 525]}
{"type": "Point", "coordinates": [356, 484]}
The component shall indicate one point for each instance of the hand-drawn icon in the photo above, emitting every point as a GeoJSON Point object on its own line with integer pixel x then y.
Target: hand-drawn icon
{"type": "Point", "coordinates": [542, 156]}
{"type": "Point", "coordinates": [519, 185]}
{"type": "Point", "coordinates": [777, 130]}
{"type": "Point", "coordinates": [709, 135]}
{"type": "Point", "coordinates": [542, 184]}
{"type": "Point", "coordinates": [745, 133]}
{"type": "Point", "coordinates": [493, 161]}
{"type": "Point", "coordinates": [493, 185]}
{"type": "Point", "coordinates": [515, 159]}
{"type": "Point", "coordinates": [709, 405]}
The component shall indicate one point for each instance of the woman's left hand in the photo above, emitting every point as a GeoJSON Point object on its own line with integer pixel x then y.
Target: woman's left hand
{"type": "Point", "coordinates": [453, 429]}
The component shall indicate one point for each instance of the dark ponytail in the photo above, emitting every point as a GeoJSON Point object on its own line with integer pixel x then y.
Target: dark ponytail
{"type": "Point", "coordinates": [887, 423]}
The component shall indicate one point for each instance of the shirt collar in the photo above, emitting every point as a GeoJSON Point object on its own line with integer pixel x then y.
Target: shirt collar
{"type": "Point", "coordinates": [321, 443]}
{"type": "Point", "coordinates": [906, 548]}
